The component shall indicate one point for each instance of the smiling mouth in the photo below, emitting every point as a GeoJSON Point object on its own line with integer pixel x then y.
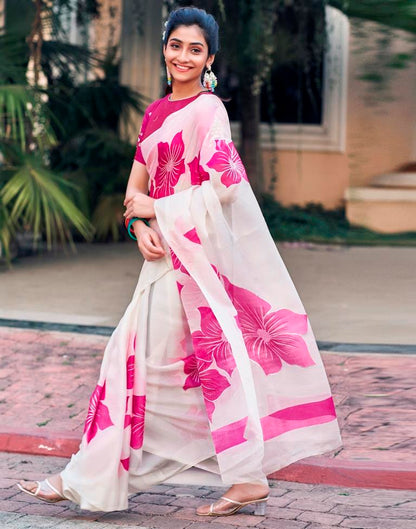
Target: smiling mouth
{"type": "Point", "coordinates": [181, 68]}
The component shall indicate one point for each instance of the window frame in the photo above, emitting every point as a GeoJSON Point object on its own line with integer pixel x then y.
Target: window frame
{"type": "Point", "coordinates": [330, 136]}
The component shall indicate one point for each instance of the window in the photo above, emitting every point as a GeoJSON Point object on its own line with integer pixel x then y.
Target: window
{"type": "Point", "coordinates": [315, 121]}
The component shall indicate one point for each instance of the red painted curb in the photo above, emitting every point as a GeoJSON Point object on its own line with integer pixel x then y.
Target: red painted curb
{"type": "Point", "coordinates": [315, 470]}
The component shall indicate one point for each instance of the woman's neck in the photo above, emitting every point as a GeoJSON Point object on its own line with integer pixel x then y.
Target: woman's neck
{"type": "Point", "coordinates": [183, 91]}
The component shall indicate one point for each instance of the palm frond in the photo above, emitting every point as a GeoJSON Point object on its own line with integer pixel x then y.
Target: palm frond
{"type": "Point", "coordinates": [6, 233]}
{"type": "Point", "coordinates": [22, 110]}
{"type": "Point", "coordinates": [41, 200]}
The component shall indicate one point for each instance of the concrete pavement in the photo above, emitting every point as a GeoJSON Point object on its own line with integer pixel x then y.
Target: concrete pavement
{"type": "Point", "coordinates": [291, 506]}
{"type": "Point", "coordinates": [351, 294]}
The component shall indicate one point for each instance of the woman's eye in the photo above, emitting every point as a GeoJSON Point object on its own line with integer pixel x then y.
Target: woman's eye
{"type": "Point", "coordinates": [174, 46]}
{"type": "Point", "coordinates": [196, 50]}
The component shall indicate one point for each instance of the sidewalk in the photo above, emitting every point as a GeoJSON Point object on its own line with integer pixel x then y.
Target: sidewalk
{"type": "Point", "coordinates": [351, 294]}
{"type": "Point", "coordinates": [373, 393]}
{"type": "Point", "coordinates": [291, 506]}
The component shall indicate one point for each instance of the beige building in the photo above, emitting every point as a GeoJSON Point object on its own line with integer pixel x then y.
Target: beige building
{"type": "Point", "coordinates": [361, 154]}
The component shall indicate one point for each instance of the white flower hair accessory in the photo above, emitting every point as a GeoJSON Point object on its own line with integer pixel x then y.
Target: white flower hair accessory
{"type": "Point", "coordinates": [164, 33]}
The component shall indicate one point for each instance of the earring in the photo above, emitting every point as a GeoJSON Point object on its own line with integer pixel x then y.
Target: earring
{"type": "Point", "coordinates": [168, 77]}
{"type": "Point", "coordinates": [210, 80]}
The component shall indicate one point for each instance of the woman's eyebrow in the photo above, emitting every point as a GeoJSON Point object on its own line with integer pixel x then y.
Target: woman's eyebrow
{"type": "Point", "coordinates": [191, 43]}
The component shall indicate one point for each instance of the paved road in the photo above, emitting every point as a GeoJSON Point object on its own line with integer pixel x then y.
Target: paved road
{"type": "Point", "coordinates": [291, 506]}
{"type": "Point", "coordinates": [374, 394]}
{"type": "Point", "coordinates": [351, 294]}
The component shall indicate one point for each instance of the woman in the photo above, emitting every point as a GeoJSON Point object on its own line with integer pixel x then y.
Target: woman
{"type": "Point", "coordinates": [213, 369]}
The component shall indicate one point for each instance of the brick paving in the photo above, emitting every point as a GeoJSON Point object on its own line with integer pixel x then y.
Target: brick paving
{"type": "Point", "coordinates": [291, 506]}
{"type": "Point", "coordinates": [55, 372]}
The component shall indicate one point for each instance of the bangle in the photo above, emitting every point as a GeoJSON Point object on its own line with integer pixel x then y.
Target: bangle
{"type": "Point", "coordinates": [130, 225]}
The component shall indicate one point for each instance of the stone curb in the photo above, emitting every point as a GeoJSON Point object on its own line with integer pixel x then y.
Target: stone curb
{"type": "Point", "coordinates": [313, 470]}
{"type": "Point", "coordinates": [99, 330]}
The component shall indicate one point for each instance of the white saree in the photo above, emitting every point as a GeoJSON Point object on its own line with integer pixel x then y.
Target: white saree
{"type": "Point", "coordinates": [214, 364]}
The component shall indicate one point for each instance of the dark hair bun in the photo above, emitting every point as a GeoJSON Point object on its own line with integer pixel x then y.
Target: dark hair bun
{"type": "Point", "coordinates": [188, 16]}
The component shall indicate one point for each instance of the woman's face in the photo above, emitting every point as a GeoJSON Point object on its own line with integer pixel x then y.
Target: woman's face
{"type": "Point", "coordinates": [186, 54]}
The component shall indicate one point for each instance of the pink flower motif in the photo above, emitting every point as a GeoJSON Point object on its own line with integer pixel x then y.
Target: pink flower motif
{"type": "Point", "coordinates": [98, 416]}
{"type": "Point", "coordinates": [193, 236]}
{"type": "Point", "coordinates": [130, 371]}
{"type": "Point", "coordinates": [137, 421]}
{"type": "Point", "coordinates": [210, 342]}
{"type": "Point", "coordinates": [270, 337]}
{"type": "Point", "coordinates": [125, 463]}
{"type": "Point", "coordinates": [191, 369]}
{"type": "Point", "coordinates": [198, 173]}
{"type": "Point", "coordinates": [177, 265]}
{"type": "Point", "coordinates": [227, 161]}
{"type": "Point", "coordinates": [212, 383]}
{"type": "Point", "coordinates": [127, 417]}
{"type": "Point", "coordinates": [171, 165]}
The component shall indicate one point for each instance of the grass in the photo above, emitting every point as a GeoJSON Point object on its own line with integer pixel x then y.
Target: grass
{"type": "Point", "coordinates": [313, 223]}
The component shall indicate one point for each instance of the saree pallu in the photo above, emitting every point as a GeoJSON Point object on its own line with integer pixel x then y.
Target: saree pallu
{"type": "Point", "coordinates": [214, 363]}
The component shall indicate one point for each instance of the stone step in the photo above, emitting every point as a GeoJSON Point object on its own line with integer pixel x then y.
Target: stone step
{"type": "Point", "coordinates": [382, 209]}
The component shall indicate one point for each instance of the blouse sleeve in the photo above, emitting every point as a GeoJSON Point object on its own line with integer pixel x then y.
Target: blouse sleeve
{"type": "Point", "coordinates": [138, 156]}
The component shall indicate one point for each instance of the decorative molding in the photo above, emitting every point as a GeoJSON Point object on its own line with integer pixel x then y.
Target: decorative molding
{"type": "Point", "coordinates": [331, 134]}
{"type": "Point", "coordinates": [376, 194]}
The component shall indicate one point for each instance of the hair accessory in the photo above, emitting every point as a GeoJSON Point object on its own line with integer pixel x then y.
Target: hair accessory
{"type": "Point", "coordinates": [210, 80]}
{"type": "Point", "coordinates": [130, 226]}
{"type": "Point", "coordinates": [168, 77]}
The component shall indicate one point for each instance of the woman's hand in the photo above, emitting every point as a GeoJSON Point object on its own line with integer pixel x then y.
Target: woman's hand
{"type": "Point", "coordinates": [148, 241]}
{"type": "Point", "coordinates": [139, 205]}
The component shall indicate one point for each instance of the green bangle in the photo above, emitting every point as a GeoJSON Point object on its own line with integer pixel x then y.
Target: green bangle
{"type": "Point", "coordinates": [131, 221]}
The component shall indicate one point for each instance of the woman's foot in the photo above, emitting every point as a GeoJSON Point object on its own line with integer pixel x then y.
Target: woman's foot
{"type": "Point", "coordinates": [235, 498]}
{"type": "Point", "coordinates": [49, 490]}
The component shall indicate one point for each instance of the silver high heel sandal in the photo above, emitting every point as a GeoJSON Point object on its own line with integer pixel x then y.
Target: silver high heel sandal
{"type": "Point", "coordinates": [259, 510]}
{"type": "Point", "coordinates": [42, 488]}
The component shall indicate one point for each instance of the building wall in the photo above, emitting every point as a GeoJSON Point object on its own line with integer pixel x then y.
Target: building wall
{"type": "Point", "coordinates": [380, 136]}
{"type": "Point", "coordinates": [380, 133]}
{"type": "Point", "coordinates": [304, 177]}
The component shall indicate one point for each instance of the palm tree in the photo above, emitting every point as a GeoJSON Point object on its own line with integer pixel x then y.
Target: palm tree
{"type": "Point", "coordinates": [61, 152]}
{"type": "Point", "coordinates": [32, 197]}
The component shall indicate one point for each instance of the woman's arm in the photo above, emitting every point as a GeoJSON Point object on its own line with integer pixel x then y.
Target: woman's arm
{"type": "Point", "coordinates": [138, 204]}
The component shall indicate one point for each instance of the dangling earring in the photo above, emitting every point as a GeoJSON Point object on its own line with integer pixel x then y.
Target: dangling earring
{"type": "Point", "coordinates": [168, 77]}
{"type": "Point", "coordinates": [210, 80]}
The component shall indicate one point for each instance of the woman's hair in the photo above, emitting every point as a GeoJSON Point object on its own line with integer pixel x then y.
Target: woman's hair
{"type": "Point", "coordinates": [188, 16]}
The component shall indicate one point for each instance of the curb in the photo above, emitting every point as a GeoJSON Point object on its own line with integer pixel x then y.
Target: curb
{"type": "Point", "coordinates": [314, 470]}
{"type": "Point", "coordinates": [100, 330]}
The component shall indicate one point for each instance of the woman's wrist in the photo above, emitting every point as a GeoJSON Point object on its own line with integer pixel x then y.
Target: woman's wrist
{"type": "Point", "coordinates": [138, 227]}
{"type": "Point", "coordinates": [135, 225]}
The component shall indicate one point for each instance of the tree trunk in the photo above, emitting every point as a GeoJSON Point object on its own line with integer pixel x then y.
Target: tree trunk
{"type": "Point", "coordinates": [250, 138]}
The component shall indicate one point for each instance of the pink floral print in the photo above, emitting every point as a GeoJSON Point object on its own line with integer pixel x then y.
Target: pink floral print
{"type": "Point", "coordinates": [212, 383]}
{"type": "Point", "coordinates": [270, 336]}
{"type": "Point", "coordinates": [177, 265]}
{"type": "Point", "coordinates": [171, 165]}
{"type": "Point", "coordinates": [125, 463]}
{"type": "Point", "coordinates": [227, 161]}
{"type": "Point", "coordinates": [210, 342]}
{"type": "Point", "coordinates": [193, 236]}
{"type": "Point", "coordinates": [198, 173]}
{"type": "Point", "coordinates": [137, 421]}
{"type": "Point", "coordinates": [98, 416]}
{"type": "Point", "coordinates": [130, 371]}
